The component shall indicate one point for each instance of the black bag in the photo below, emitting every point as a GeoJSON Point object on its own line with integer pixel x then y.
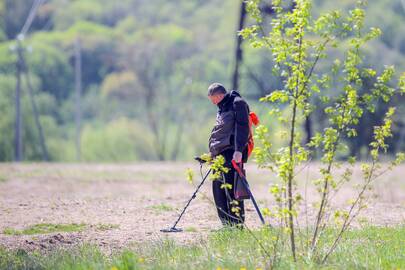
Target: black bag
{"type": "Point", "coordinates": [240, 187]}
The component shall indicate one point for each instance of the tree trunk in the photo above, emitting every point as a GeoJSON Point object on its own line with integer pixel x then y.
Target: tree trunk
{"type": "Point", "coordinates": [238, 48]}
{"type": "Point", "coordinates": [308, 128]}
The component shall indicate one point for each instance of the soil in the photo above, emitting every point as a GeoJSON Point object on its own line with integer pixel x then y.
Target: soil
{"type": "Point", "coordinates": [127, 204]}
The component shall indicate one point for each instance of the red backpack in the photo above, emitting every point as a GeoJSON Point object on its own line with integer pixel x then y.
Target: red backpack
{"type": "Point", "coordinates": [253, 120]}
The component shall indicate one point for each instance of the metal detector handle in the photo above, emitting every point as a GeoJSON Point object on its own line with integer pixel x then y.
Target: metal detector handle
{"type": "Point", "coordinates": [202, 161]}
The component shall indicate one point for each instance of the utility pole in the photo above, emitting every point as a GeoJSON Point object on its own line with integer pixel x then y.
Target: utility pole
{"type": "Point", "coordinates": [18, 151]}
{"type": "Point", "coordinates": [18, 142]}
{"type": "Point", "coordinates": [22, 69]}
{"type": "Point", "coordinates": [78, 86]}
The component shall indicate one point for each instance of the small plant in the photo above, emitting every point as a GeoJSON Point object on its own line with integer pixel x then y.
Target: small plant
{"type": "Point", "coordinates": [190, 175]}
{"type": "Point", "coordinates": [218, 168]}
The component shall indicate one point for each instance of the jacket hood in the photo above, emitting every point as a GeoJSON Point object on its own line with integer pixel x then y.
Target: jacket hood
{"type": "Point", "coordinates": [228, 98]}
{"type": "Point", "coordinates": [234, 93]}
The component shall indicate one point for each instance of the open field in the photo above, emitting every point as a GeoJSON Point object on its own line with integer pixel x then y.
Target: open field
{"type": "Point", "coordinates": [115, 206]}
{"type": "Point", "coordinates": [124, 204]}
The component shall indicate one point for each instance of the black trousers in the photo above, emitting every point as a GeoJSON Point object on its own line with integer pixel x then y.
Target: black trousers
{"type": "Point", "coordinates": [224, 198]}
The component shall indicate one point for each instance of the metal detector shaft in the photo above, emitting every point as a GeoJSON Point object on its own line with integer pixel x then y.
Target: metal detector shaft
{"type": "Point", "coordinates": [192, 197]}
{"type": "Point", "coordinates": [253, 201]}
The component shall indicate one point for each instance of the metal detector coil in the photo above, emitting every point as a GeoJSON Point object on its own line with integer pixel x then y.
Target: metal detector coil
{"type": "Point", "coordinates": [172, 229]}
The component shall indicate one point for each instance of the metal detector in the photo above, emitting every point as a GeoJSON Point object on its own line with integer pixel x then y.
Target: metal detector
{"type": "Point", "coordinates": [173, 228]}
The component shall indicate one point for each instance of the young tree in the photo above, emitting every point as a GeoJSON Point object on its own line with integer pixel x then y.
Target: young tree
{"type": "Point", "coordinates": [298, 44]}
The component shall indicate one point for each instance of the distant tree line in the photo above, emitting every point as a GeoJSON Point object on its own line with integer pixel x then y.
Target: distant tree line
{"type": "Point", "coordinates": [145, 68]}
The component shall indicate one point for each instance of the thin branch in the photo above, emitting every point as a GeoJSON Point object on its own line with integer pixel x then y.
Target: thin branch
{"type": "Point", "coordinates": [349, 217]}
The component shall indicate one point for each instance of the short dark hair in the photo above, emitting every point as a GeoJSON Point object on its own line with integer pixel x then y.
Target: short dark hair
{"type": "Point", "coordinates": [216, 89]}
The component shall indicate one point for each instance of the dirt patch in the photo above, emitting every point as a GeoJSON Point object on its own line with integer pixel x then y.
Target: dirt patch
{"type": "Point", "coordinates": [128, 204]}
{"type": "Point", "coordinates": [50, 242]}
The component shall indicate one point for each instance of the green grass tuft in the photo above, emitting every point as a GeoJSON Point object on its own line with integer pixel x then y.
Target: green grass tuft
{"type": "Point", "coordinates": [106, 227]}
{"type": "Point", "coordinates": [191, 229]}
{"type": "Point", "coordinates": [161, 207]}
{"type": "Point", "coordinates": [44, 228]}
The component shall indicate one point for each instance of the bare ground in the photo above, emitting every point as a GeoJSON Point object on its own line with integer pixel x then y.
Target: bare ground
{"type": "Point", "coordinates": [122, 204]}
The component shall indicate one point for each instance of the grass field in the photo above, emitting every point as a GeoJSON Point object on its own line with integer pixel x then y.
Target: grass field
{"type": "Point", "coordinates": [366, 248]}
{"type": "Point", "coordinates": [101, 216]}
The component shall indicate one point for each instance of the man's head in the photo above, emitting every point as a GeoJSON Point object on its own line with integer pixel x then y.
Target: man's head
{"type": "Point", "coordinates": [216, 93]}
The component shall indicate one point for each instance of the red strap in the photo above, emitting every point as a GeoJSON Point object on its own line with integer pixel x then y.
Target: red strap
{"type": "Point", "coordinates": [237, 168]}
{"type": "Point", "coordinates": [254, 118]}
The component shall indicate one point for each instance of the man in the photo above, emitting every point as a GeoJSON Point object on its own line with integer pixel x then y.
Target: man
{"type": "Point", "coordinates": [229, 138]}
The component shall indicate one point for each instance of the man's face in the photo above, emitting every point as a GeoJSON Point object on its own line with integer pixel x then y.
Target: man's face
{"type": "Point", "coordinates": [215, 99]}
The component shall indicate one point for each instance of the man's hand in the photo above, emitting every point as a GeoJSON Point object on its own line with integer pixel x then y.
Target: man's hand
{"type": "Point", "coordinates": [237, 156]}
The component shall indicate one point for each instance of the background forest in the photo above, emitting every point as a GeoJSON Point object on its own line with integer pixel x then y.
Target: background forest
{"type": "Point", "coordinates": [127, 80]}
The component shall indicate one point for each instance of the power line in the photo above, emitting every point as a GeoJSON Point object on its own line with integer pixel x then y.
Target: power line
{"type": "Point", "coordinates": [30, 18]}
{"type": "Point", "coordinates": [35, 111]}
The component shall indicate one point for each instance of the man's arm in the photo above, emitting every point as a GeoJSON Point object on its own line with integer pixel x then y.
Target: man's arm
{"type": "Point", "coordinates": [242, 124]}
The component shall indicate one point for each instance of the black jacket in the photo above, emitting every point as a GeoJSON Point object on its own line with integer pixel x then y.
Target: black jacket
{"type": "Point", "coordinates": [232, 117]}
